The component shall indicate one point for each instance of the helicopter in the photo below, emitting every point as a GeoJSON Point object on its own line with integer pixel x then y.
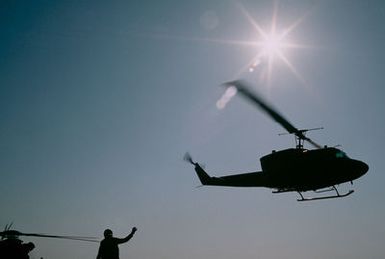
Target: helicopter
{"type": "Point", "coordinates": [12, 247]}
{"type": "Point", "coordinates": [296, 169]}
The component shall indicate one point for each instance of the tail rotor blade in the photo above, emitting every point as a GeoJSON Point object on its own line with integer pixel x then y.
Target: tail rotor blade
{"type": "Point", "coordinates": [187, 157]}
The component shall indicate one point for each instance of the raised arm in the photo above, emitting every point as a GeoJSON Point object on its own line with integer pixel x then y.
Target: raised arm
{"type": "Point", "coordinates": [124, 240]}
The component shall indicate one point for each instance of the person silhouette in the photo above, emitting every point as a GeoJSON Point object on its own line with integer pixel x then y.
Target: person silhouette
{"type": "Point", "coordinates": [108, 248]}
{"type": "Point", "coordinates": [26, 248]}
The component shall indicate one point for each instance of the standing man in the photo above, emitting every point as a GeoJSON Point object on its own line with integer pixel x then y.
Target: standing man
{"type": "Point", "coordinates": [108, 248]}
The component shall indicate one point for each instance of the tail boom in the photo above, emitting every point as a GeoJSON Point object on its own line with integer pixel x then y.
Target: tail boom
{"type": "Point", "coordinates": [254, 179]}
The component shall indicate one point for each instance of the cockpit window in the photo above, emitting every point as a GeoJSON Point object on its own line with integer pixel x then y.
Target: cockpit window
{"type": "Point", "coordinates": [341, 154]}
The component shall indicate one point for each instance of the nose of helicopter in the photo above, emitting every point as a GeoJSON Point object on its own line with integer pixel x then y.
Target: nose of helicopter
{"type": "Point", "coordinates": [361, 168]}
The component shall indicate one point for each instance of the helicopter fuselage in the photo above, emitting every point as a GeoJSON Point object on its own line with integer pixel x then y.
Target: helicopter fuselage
{"type": "Point", "coordinates": [302, 170]}
{"type": "Point", "coordinates": [294, 169]}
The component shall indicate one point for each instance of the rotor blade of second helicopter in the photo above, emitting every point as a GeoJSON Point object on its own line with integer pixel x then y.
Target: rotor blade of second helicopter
{"type": "Point", "coordinates": [87, 239]}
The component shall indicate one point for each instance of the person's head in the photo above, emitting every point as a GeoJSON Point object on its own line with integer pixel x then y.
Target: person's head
{"type": "Point", "coordinates": [107, 233]}
{"type": "Point", "coordinates": [30, 246]}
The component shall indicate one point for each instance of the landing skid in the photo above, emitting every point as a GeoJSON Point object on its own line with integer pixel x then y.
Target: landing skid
{"type": "Point", "coordinates": [337, 195]}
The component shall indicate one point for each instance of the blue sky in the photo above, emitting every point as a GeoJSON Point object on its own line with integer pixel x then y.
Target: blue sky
{"type": "Point", "coordinates": [99, 101]}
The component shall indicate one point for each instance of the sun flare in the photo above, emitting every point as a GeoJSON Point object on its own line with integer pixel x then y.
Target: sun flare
{"type": "Point", "coordinates": [273, 45]}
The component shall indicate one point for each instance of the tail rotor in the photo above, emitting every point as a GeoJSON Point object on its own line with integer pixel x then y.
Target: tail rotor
{"type": "Point", "coordinates": [187, 157]}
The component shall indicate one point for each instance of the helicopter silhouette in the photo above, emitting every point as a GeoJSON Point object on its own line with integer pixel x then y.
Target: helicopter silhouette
{"type": "Point", "coordinates": [294, 169]}
{"type": "Point", "coordinates": [12, 247]}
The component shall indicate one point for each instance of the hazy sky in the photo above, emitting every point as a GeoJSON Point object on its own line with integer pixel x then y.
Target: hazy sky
{"type": "Point", "coordinates": [99, 101]}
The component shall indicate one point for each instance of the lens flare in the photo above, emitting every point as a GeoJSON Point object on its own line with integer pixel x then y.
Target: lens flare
{"type": "Point", "coordinates": [226, 97]}
{"type": "Point", "coordinates": [273, 44]}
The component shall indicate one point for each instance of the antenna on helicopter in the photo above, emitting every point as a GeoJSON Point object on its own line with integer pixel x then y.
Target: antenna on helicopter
{"type": "Point", "coordinates": [7, 228]}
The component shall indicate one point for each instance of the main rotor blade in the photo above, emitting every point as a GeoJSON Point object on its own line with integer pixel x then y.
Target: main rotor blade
{"type": "Point", "coordinates": [311, 142]}
{"type": "Point", "coordinates": [244, 90]}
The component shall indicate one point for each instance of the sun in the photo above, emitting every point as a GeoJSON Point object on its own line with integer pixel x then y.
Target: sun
{"type": "Point", "coordinates": [270, 47]}
{"type": "Point", "coordinates": [273, 44]}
